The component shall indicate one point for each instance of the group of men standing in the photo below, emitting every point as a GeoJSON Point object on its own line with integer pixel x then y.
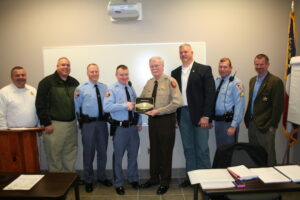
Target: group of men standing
{"type": "Point", "coordinates": [191, 94]}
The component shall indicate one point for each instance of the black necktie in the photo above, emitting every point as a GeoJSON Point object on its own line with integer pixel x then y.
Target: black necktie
{"type": "Point", "coordinates": [154, 90]}
{"type": "Point", "coordinates": [219, 87]}
{"type": "Point", "coordinates": [218, 90]}
{"type": "Point", "coordinates": [130, 118]}
{"type": "Point", "coordinates": [99, 101]}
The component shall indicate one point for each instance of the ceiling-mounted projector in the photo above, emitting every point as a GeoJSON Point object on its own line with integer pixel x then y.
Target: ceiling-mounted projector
{"type": "Point", "coordinates": [123, 10]}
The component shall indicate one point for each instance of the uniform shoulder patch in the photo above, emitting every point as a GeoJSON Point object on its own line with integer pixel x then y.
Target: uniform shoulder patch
{"type": "Point", "coordinates": [76, 93]}
{"type": "Point", "coordinates": [239, 85]}
{"type": "Point", "coordinates": [107, 94]}
{"type": "Point", "coordinates": [173, 84]}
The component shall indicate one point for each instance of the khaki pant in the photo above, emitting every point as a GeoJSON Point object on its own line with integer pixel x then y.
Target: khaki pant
{"type": "Point", "coordinates": [266, 140]}
{"type": "Point", "coordinates": [61, 147]}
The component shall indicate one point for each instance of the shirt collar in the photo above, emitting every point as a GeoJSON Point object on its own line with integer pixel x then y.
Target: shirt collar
{"type": "Point", "coordinates": [262, 78]}
{"type": "Point", "coordinates": [226, 77]}
{"type": "Point", "coordinates": [188, 68]}
{"type": "Point", "coordinates": [160, 78]}
{"type": "Point", "coordinates": [15, 88]}
{"type": "Point", "coordinates": [93, 84]}
{"type": "Point", "coordinates": [122, 85]}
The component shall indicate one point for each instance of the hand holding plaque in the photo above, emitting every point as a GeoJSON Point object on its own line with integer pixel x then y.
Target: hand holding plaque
{"type": "Point", "coordinates": [143, 105]}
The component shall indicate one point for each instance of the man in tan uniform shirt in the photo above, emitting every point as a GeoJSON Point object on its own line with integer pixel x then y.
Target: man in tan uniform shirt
{"type": "Point", "coordinates": [162, 122]}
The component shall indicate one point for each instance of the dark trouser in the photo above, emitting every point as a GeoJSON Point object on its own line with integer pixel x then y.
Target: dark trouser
{"type": "Point", "coordinates": [221, 133]}
{"type": "Point", "coordinates": [94, 138]}
{"type": "Point", "coordinates": [162, 138]}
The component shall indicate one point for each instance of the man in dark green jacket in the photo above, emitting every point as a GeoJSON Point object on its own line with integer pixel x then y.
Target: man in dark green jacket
{"type": "Point", "coordinates": [56, 111]}
{"type": "Point", "coordinates": [265, 106]}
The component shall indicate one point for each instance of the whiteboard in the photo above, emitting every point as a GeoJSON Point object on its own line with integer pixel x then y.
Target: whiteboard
{"type": "Point", "coordinates": [108, 57]}
{"type": "Point", "coordinates": [294, 96]}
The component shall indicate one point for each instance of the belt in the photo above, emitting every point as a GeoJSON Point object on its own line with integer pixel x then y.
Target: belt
{"type": "Point", "coordinates": [125, 124]}
{"type": "Point", "coordinates": [92, 119]}
{"type": "Point", "coordinates": [219, 118]}
{"type": "Point", "coordinates": [227, 117]}
{"type": "Point", "coordinates": [161, 116]}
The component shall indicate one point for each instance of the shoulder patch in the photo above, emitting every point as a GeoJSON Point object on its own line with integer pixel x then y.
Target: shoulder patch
{"type": "Point", "coordinates": [76, 93]}
{"type": "Point", "coordinates": [239, 85]}
{"type": "Point", "coordinates": [173, 84]}
{"type": "Point", "coordinates": [107, 94]}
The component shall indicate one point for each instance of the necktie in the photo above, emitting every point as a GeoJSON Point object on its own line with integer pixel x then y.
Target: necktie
{"type": "Point", "coordinates": [130, 117]}
{"type": "Point", "coordinates": [219, 87]}
{"type": "Point", "coordinates": [99, 100]}
{"type": "Point", "coordinates": [218, 90]}
{"type": "Point", "coordinates": [154, 91]}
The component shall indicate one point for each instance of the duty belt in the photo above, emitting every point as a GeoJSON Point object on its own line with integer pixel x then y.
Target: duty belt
{"type": "Point", "coordinates": [219, 118]}
{"type": "Point", "coordinates": [227, 117]}
{"type": "Point", "coordinates": [124, 124]}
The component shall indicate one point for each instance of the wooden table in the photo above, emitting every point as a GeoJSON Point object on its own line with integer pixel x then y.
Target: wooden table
{"type": "Point", "coordinates": [51, 186]}
{"type": "Point", "coordinates": [252, 186]}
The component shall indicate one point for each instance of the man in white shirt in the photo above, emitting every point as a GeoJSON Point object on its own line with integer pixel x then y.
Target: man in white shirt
{"type": "Point", "coordinates": [17, 102]}
{"type": "Point", "coordinates": [197, 86]}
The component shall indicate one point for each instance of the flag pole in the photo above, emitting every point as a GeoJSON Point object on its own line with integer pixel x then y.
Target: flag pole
{"type": "Point", "coordinates": [286, 157]}
{"type": "Point", "coordinates": [289, 146]}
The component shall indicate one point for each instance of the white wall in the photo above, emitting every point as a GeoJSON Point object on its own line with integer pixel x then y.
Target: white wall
{"type": "Point", "coordinates": [238, 29]}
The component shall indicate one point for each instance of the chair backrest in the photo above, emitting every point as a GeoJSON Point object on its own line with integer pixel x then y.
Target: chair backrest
{"type": "Point", "coordinates": [246, 154]}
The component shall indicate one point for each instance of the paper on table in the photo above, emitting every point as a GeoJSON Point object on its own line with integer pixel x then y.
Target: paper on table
{"type": "Point", "coordinates": [209, 175]}
{"type": "Point", "coordinates": [270, 175]}
{"type": "Point", "coordinates": [217, 185]}
{"type": "Point", "coordinates": [242, 172]}
{"type": "Point", "coordinates": [291, 171]}
{"type": "Point", "coordinates": [24, 182]}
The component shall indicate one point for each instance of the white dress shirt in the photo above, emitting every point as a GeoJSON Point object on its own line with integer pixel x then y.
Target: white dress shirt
{"type": "Point", "coordinates": [17, 107]}
{"type": "Point", "coordinates": [185, 73]}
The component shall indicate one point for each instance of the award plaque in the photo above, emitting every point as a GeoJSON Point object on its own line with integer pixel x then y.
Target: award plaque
{"type": "Point", "coordinates": [143, 105]}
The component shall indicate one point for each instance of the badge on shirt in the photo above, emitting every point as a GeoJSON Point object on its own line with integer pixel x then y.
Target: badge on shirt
{"type": "Point", "coordinates": [242, 94]}
{"type": "Point", "coordinates": [76, 93]}
{"type": "Point", "coordinates": [107, 94]}
{"type": "Point", "coordinates": [265, 98]}
{"type": "Point", "coordinates": [173, 84]}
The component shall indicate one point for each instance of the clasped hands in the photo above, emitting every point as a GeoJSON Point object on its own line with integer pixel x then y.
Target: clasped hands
{"type": "Point", "coordinates": [130, 105]}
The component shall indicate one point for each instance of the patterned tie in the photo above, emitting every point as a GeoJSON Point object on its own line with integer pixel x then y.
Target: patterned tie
{"type": "Point", "coordinates": [99, 100]}
{"type": "Point", "coordinates": [130, 116]}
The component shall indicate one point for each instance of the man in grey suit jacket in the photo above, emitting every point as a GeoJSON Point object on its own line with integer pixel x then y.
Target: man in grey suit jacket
{"type": "Point", "coordinates": [197, 86]}
{"type": "Point", "coordinates": [265, 106]}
